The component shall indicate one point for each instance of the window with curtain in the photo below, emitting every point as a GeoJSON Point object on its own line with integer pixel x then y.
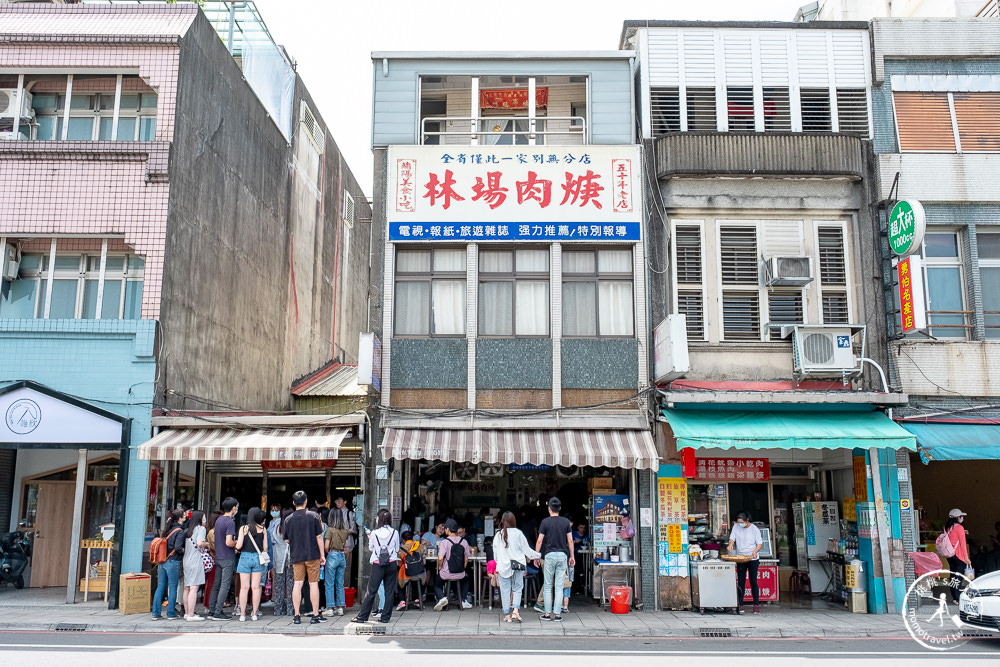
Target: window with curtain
{"type": "Point", "coordinates": [430, 292]}
{"type": "Point", "coordinates": [597, 293]}
{"type": "Point", "coordinates": [514, 292]}
{"type": "Point", "coordinates": [92, 102]}
{"type": "Point", "coordinates": [76, 284]}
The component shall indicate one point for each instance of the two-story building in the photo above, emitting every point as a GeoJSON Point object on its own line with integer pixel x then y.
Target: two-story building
{"type": "Point", "coordinates": [175, 232]}
{"type": "Point", "coordinates": [762, 235]}
{"type": "Point", "coordinates": [937, 134]}
{"type": "Point", "coordinates": [512, 310]}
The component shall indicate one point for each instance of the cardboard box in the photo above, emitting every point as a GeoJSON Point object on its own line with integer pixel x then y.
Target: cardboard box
{"type": "Point", "coordinates": [601, 483]}
{"type": "Point", "coordinates": [134, 594]}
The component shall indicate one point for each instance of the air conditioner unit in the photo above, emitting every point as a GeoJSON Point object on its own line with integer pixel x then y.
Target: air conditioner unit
{"type": "Point", "coordinates": [789, 271]}
{"type": "Point", "coordinates": [8, 99]}
{"type": "Point", "coordinates": [825, 350]}
{"type": "Point", "coordinates": [10, 262]}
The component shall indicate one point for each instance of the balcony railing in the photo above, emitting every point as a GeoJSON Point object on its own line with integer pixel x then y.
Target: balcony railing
{"type": "Point", "coordinates": [526, 131]}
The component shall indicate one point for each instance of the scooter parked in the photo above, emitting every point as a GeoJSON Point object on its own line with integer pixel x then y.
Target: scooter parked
{"type": "Point", "coordinates": [13, 558]}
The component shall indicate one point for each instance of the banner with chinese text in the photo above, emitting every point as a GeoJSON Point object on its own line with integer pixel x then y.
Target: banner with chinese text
{"type": "Point", "coordinates": [514, 193]}
{"type": "Point", "coordinates": [735, 469]}
{"type": "Point", "coordinates": [672, 542]}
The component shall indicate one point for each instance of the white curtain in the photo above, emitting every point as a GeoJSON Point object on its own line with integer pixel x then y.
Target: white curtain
{"type": "Point", "coordinates": [614, 261]}
{"type": "Point", "coordinates": [496, 261]}
{"type": "Point", "coordinates": [533, 261]}
{"type": "Point", "coordinates": [615, 299]}
{"type": "Point", "coordinates": [449, 307]}
{"type": "Point", "coordinates": [496, 309]}
{"type": "Point", "coordinates": [449, 260]}
{"type": "Point", "coordinates": [491, 138]}
{"type": "Point", "coordinates": [413, 261]}
{"type": "Point", "coordinates": [413, 302]}
{"type": "Point", "coordinates": [578, 262]}
{"type": "Point", "coordinates": [579, 303]}
{"type": "Point", "coordinates": [532, 308]}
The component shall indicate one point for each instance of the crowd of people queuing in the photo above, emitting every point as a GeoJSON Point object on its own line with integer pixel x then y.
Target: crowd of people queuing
{"type": "Point", "coordinates": [267, 561]}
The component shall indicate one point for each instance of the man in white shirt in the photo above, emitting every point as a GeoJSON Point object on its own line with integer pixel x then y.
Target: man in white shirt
{"type": "Point", "coordinates": [746, 540]}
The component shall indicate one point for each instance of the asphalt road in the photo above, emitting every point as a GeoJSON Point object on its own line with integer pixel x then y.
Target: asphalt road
{"type": "Point", "coordinates": [105, 649]}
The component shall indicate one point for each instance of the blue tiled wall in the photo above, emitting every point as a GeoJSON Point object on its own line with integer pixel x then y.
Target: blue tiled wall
{"type": "Point", "coordinates": [107, 363]}
{"type": "Point", "coordinates": [610, 363]}
{"type": "Point", "coordinates": [429, 363]}
{"type": "Point", "coordinates": [514, 363]}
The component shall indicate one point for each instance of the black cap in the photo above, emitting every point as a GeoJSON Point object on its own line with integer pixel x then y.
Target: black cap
{"type": "Point", "coordinates": [451, 525]}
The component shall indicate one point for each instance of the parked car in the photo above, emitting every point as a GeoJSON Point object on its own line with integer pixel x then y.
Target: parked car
{"type": "Point", "coordinates": [979, 604]}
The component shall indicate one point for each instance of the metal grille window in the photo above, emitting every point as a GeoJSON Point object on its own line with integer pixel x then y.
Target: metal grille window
{"type": "Point", "coordinates": [597, 293]}
{"type": "Point", "coordinates": [666, 110]}
{"type": "Point", "coordinates": [77, 287]}
{"type": "Point", "coordinates": [832, 270]}
{"type": "Point", "coordinates": [835, 308]}
{"type": "Point", "coordinates": [739, 105]}
{"type": "Point", "coordinates": [777, 110]}
{"type": "Point", "coordinates": [852, 111]}
{"type": "Point", "coordinates": [816, 110]}
{"type": "Point", "coordinates": [738, 255]}
{"type": "Point", "coordinates": [692, 304]}
{"type": "Point", "coordinates": [430, 292]}
{"type": "Point", "coordinates": [741, 315]}
{"type": "Point", "coordinates": [514, 292]}
{"type": "Point", "coordinates": [784, 308]}
{"type": "Point", "coordinates": [701, 113]}
{"type": "Point", "coordinates": [977, 116]}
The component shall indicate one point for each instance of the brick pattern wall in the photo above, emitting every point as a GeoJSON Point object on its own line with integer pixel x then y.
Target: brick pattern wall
{"type": "Point", "coordinates": [514, 399]}
{"type": "Point", "coordinates": [434, 399]}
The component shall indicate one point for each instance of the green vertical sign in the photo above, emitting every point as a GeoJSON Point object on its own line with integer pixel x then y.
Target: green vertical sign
{"type": "Point", "coordinates": [906, 227]}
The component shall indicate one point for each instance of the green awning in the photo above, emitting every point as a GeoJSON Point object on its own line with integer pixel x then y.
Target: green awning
{"type": "Point", "coordinates": [768, 429]}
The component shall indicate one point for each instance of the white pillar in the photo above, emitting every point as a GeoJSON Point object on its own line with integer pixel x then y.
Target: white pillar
{"type": "Point", "coordinates": [74, 538]}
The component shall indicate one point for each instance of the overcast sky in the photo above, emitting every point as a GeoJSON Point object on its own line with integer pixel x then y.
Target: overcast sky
{"type": "Point", "coordinates": [333, 40]}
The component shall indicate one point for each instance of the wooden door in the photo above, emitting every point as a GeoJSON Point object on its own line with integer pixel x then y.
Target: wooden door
{"type": "Point", "coordinates": [53, 527]}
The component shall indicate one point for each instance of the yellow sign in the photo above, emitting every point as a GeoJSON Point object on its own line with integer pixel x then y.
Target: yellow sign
{"type": "Point", "coordinates": [674, 538]}
{"type": "Point", "coordinates": [850, 509]}
{"type": "Point", "coordinates": [673, 500]}
{"type": "Point", "coordinates": [850, 576]}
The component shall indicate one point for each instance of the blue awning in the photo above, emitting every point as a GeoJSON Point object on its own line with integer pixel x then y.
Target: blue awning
{"type": "Point", "coordinates": [941, 441]}
{"type": "Point", "coordinates": [774, 429]}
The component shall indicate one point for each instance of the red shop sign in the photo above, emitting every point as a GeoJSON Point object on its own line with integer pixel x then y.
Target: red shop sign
{"type": "Point", "coordinates": [298, 465]}
{"type": "Point", "coordinates": [767, 582]}
{"type": "Point", "coordinates": [730, 469]}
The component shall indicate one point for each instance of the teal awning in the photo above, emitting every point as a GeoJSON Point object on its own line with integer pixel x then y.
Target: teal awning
{"type": "Point", "coordinates": [768, 429]}
{"type": "Point", "coordinates": [956, 441]}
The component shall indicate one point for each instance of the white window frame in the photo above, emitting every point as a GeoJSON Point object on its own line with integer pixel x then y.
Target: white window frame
{"type": "Point", "coordinates": [847, 287]}
{"type": "Point", "coordinates": [989, 263]}
{"type": "Point", "coordinates": [928, 263]}
{"type": "Point", "coordinates": [701, 287]}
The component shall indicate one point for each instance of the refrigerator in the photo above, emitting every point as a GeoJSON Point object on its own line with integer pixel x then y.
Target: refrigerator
{"type": "Point", "coordinates": [815, 524]}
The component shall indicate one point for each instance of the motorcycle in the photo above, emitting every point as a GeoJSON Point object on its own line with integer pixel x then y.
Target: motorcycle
{"type": "Point", "coordinates": [13, 558]}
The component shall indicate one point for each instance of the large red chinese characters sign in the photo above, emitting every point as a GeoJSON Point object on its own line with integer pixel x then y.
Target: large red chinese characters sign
{"type": "Point", "coordinates": [509, 193]}
{"type": "Point", "coordinates": [733, 469]}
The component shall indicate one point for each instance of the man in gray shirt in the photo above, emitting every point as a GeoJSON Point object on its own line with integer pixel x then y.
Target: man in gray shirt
{"type": "Point", "coordinates": [746, 540]}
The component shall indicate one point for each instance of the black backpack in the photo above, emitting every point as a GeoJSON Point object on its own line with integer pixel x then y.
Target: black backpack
{"type": "Point", "coordinates": [456, 557]}
{"type": "Point", "coordinates": [413, 564]}
{"type": "Point", "coordinates": [383, 553]}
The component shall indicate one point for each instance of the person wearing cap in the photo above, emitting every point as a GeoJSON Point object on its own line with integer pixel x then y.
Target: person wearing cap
{"type": "Point", "coordinates": [555, 542]}
{"type": "Point", "coordinates": [444, 548]}
{"type": "Point", "coordinates": [957, 563]}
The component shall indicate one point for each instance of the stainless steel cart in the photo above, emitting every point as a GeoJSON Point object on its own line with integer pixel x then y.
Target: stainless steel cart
{"type": "Point", "coordinates": [713, 585]}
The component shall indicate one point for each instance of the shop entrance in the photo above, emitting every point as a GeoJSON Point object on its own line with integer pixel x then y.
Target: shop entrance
{"type": "Point", "coordinates": [53, 527]}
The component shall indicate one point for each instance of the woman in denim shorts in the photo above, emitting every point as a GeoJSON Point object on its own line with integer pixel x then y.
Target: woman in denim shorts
{"type": "Point", "coordinates": [251, 542]}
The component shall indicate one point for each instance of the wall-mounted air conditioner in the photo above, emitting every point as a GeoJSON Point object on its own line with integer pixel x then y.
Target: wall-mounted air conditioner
{"type": "Point", "coordinates": [10, 262]}
{"type": "Point", "coordinates": [788, 271]}
{"type": "Point", "coordinates": [828, 350]}
{"type": "Point", "coordinates": [8, 101]}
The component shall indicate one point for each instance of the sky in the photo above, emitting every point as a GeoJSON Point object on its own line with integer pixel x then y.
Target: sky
{"type": "Point", "coordinates": [332, 41]}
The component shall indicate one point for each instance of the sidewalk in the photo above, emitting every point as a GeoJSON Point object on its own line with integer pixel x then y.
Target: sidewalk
{"type": "Point", "coordinates": [816, 619]}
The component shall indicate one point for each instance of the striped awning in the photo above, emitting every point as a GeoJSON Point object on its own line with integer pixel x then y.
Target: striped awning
{"type": "Point", "coordinates": [612, 448]}
{"type": "Point", "coordinates": [245, 444]}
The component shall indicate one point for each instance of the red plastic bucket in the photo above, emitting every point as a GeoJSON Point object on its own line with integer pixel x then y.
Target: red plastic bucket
{"type": "Point", "coordinates": [349, 594]}
{"type": "Point", "coordinates": [621, 598]}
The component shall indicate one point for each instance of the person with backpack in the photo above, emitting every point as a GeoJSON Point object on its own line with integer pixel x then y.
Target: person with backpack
{"type": "Point", "coordinates": [194, 563]}
{"type": "Point", "coordinates": [453, 558]}
{"type": "Point", "coordinates": [225, 559]}
{"type": "Point", "coordinates": [168, 552]}
{"type": "Point", "coordinates": [951, 544]}
{"type": "Point", "coordinates": [337, 534]}
{"type": "Point", "coordinates": [511, 552]}
{"type": "Point", "coordinates": [384, 545]}
{"type": "Point", "coordinates": [411, 565]}
{"type": "Point", "coordinates": [282, 581]}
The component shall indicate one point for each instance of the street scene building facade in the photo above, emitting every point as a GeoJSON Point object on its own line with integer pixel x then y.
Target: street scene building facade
{"type": "Point", "coordinates": [161, 259]}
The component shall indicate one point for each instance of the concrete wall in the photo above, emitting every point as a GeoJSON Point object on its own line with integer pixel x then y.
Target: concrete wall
{"type": "Point", "coordinates": [946, 368]}
{"type": "Point", "coordinates": [254, 284]}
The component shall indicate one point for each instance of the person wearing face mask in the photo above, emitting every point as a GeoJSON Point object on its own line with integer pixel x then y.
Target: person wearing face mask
{"type": "Point", "coordinates": [746, 540]}
{"type": "Point", "coordinates": [960, 560]}
{"type": "Point", "coordinates": [193, 565]}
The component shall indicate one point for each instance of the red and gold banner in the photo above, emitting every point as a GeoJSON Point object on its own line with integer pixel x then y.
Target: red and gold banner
{"type": "Point", "coordinates": [737, 470]}
{"type": "Point", "coordinates": [512, 98]}
{"type": "Point", "coordinates": [767, 582]}
{"type": "Point", "coordinates": [298, 465]}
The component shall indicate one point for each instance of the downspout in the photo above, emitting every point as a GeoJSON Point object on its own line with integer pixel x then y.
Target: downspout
{"type": "Point", "coordinates": [336, 252]}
